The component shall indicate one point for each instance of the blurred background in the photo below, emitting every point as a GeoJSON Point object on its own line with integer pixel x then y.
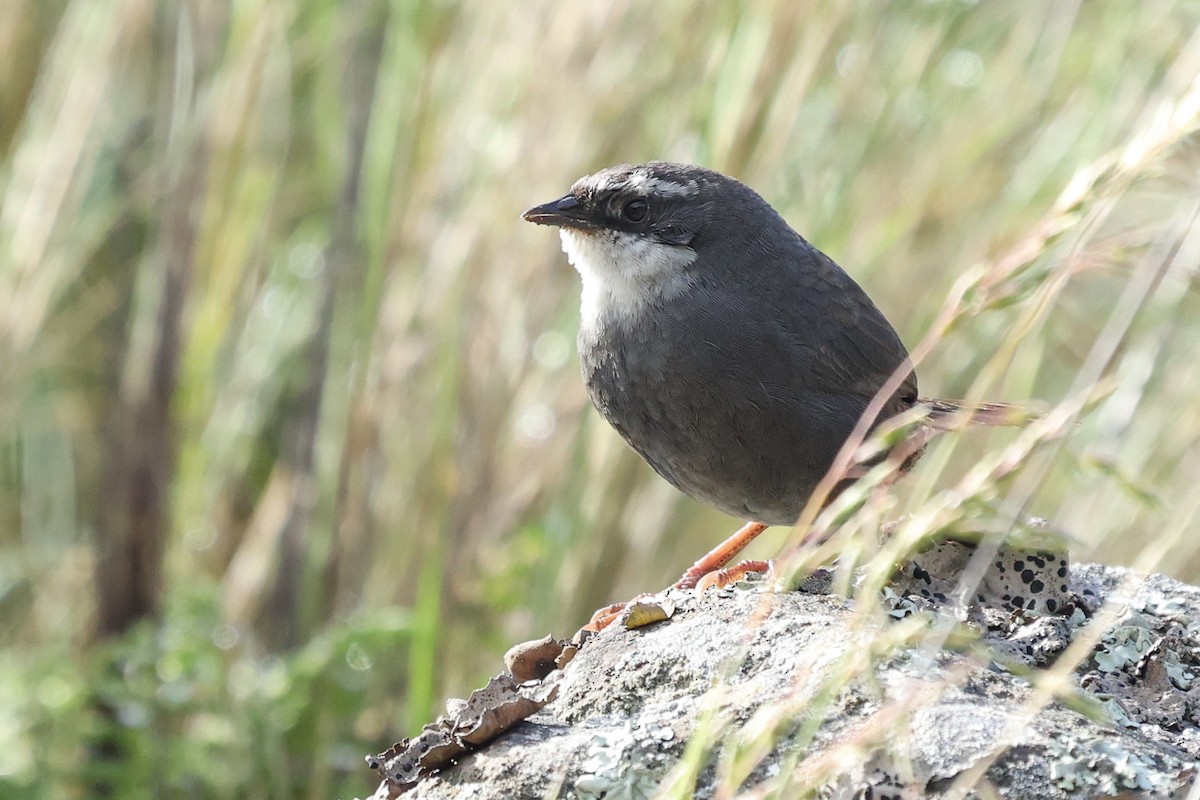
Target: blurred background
{"type": "Point", "coordinates": [292, 438]}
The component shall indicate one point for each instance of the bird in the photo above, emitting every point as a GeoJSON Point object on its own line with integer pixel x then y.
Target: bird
{"type": "Point", "coordinates": [734, 356]}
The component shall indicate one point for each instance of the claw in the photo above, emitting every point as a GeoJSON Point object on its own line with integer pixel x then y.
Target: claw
{"type": "Point", "coordinates": [724, 577]}
{"type": "Point", "coordinates": [603, 617]}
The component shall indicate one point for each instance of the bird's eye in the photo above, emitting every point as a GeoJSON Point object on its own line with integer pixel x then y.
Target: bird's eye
{"type": "Point", "coordinates": [636, 210]}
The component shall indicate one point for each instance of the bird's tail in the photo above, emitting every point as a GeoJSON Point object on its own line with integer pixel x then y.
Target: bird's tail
{"type": "Point", "coordinates": [950, 414]}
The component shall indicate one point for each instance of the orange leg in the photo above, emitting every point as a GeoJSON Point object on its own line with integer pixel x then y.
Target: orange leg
{"type": "Point", "coordinates": [720, 555]}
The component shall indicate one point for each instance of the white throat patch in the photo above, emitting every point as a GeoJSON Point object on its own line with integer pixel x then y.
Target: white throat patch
{"type": "Point", "coordinates": [623, 273]}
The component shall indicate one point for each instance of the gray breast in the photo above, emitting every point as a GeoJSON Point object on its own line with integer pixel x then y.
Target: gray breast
{"type": "Point", "coordinates": [730, 406]}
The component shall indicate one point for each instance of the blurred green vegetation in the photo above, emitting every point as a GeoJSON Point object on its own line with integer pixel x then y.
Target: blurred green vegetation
{"type": "Point", "coordinates": [292, 440]}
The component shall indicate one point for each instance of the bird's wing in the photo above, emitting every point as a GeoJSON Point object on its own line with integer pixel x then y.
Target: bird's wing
{"type": "Point", "coordinates": [843, 342]}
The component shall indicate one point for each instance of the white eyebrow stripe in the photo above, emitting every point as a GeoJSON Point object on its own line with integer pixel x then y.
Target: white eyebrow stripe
{"type": "Point", "coordinates": [663, 186]}
{"type": "Point", "coordinates": [645, 182]}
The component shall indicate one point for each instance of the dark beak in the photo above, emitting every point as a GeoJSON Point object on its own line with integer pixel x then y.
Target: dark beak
{"type": "Point", "coordinates": [566, 212]}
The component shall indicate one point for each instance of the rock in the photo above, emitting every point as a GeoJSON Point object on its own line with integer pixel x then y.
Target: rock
{"type": "Point", "coordinates": [775, 692]}
{"type": "Point", "coordinates": [1020, 580]}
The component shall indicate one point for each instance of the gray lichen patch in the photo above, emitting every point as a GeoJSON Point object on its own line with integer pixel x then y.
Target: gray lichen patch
{"type": "Point", "coordinates": [1146, 667]}
{"type": "Point", "coordinates": [626, 763]}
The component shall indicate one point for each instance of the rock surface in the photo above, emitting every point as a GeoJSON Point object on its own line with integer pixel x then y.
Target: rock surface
{"type": "Point", "coordinates": [775, 692]}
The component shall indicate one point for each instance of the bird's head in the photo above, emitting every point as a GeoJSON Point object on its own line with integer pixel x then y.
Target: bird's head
{"type": "Point", "coordinates": [659, 201]}
{"type": "Point", "coordinates": [635, 232]}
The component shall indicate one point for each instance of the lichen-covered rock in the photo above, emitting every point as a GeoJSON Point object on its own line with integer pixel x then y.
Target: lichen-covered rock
{"type": "Point", "coordinates": [795, 690]}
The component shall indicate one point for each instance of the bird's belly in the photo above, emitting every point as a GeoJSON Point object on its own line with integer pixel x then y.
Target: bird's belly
{"type": "Point", "coordinates": [747, 453]}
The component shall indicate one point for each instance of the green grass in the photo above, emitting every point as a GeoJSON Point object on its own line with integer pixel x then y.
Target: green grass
{"type": "Point", "coordinates": [381, 466]}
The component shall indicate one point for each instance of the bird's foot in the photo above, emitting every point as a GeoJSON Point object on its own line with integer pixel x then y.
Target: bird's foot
{"type": "Point", "coordinates": [634, 612]}
{"type": "Point", "coordinates": [709, 572]}
{"type": "Point", "coordinates": [721, 578]}
{"type": "Point", "coordinates": [716, 559]}
{"type": "Point", "coordinates": [603, 617]}
{"type": "Point", "coordinates": [714, 579]}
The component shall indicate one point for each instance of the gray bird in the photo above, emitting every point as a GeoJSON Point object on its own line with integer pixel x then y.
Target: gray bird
{"type": "Point", "coordinates": [732, 355]}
